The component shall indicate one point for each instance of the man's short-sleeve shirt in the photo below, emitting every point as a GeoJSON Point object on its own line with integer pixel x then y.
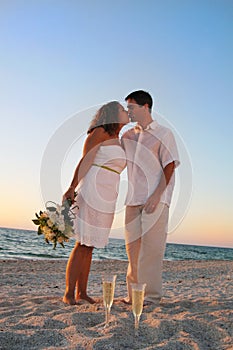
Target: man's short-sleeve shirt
{"type": "Point", "coordinates": [148, 152]}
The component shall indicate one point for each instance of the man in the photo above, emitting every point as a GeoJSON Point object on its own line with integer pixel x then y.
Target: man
{"type": "Point", "coordinates": [152, 157]}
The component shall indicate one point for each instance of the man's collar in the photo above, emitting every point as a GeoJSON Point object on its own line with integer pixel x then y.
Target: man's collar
{"type": "Point", "coordinates": [152, 125]}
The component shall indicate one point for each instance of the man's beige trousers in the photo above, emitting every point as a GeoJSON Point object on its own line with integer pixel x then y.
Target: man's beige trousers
{"type": "Point", "coordinates": [145, 236]}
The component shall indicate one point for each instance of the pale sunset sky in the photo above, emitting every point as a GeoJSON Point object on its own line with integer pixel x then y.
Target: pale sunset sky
{"type": "Point", "coordinates": [60, 59]}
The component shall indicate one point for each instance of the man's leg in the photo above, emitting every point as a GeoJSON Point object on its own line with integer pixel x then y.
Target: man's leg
{"type": "Point", "coordinates": [153, 243]}
{"type": "Point", "coordinates": [133, 242]}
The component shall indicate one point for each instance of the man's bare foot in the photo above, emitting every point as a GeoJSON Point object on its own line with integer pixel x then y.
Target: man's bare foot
{"type": "Point", "coordinates": [68, 300]}
{"type": "Point", "coordinates": [86, 298]}
{"type": "Point", "coordinates": [126, 301]}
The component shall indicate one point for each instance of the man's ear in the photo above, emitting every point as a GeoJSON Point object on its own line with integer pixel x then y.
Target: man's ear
{"type": "Point", "coordinates": [146, 106]}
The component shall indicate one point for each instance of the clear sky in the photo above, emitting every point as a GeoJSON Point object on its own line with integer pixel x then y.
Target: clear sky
{"type": "Point", "coordinates": [61, 57]}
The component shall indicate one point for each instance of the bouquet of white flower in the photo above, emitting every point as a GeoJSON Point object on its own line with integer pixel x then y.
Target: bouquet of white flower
{"type": "Point", "coordinates": [56, 223]}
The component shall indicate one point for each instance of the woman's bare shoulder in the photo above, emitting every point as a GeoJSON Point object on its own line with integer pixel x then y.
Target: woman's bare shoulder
{"type": "Point", "coordinates": [95, 138]}
{"type": "Point", "coordinates": [99, 134]}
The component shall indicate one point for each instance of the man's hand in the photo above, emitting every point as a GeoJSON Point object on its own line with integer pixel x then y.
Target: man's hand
{"type": "Point", "coordinates": [151, 203]}
{"type": "Point", "coordinates": [154, 199]}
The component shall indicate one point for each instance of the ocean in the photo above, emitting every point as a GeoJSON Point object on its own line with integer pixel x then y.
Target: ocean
{"type": "Point", "coordinates": [25, 244]}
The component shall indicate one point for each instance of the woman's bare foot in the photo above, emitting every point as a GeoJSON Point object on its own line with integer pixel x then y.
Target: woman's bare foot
{"type": "Point", "coordinates": [86, 298]}
{"type": "Point", "coordinates": [68, 300]}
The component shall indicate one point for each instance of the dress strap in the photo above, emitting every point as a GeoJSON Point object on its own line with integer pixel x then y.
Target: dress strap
{"type": "Point", "coordinates": [106, 168]}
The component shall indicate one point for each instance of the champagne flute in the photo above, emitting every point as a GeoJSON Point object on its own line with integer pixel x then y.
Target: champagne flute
{"type": "Point", "coordinates": [108, 295]}
{"type": "Point", "coordinates": [138, 291]}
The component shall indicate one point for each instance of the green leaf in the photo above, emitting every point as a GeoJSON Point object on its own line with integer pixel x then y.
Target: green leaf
{"type": "Point", "coordinates": [40, 232]}
{"type": "Point", "coordinates": [51, 208]}
{"type": "Point", "coordinates": [41, 212]}
{"type": "Point", "coordinates": [36, 221]}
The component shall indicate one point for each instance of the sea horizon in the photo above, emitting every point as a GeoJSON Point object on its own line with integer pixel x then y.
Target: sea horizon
{"type": "Point", "coordinates": [118, 238]}
{"type": "Point", "coordinates": [27, 244]}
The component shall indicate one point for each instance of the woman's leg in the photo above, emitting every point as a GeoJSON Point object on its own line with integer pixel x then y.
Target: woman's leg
{"type": "Point", "coordinates": [81, 284]}
{"type": "Point", "coordinates": [77, 272]}
{"type": "Point", "coordinates": [72, 274]}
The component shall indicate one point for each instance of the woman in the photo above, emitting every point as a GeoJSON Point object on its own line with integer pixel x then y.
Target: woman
{"type": "Point", "coordinates": [97, 177]}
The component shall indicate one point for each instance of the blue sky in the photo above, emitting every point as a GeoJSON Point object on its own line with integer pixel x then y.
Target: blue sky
{"type": "Point", "coordinates": [61, 57]}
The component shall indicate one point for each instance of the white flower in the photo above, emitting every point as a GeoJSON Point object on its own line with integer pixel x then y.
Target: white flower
{"type": "Point", "coordinates": [50, 223]}
{"type": "Point", "coordinates": [54, 225]}
{"type": "Point", "coordinates": [59, 209]}
{"type": "Point", "coordinates": [69, 231]}
{"type": "Point", "coordinates": [53, 217]}
{"type": "Point", "coordinates": [61, 218]}
{"type": "Point", "coordinates": [61, 226]}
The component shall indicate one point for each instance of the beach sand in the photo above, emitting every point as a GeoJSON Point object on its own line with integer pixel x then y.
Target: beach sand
{"type": "Point", "coordinates": [196, 311]}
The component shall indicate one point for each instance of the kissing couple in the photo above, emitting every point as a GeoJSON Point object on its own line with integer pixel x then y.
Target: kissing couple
{"type": "Point", "coordinates": [149, 152]}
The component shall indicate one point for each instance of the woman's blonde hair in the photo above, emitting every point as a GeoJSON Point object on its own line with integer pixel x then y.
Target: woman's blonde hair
{"type": "Point", "coordinates": [106, 117]}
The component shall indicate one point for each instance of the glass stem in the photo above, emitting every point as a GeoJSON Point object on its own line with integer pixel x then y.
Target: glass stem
{"type": "Point", "coordinates": [136, 324]}
{"type": "Point", "coordinates": [107, 313]}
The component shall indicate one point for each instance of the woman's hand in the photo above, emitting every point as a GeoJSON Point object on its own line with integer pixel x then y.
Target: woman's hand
{"type": "Point", "coordinates": [70, 194]}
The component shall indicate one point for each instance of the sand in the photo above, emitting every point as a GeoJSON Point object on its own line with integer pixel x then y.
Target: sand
{"type": "Point", "coordinates": [196, 311]}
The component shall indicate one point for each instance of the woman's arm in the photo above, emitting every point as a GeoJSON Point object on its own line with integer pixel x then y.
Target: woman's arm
{"type": "Point", "coordinates": [91, 146]}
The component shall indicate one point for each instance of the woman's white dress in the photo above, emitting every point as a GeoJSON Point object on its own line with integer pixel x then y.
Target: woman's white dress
{"type": "Point", "coordinates": [97, 195]}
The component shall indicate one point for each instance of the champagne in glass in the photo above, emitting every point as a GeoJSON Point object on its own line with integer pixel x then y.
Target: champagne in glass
{"type": "Point", "coordinates": [108, 295]}
{"type": "Point", "coordinates": [138, 291]}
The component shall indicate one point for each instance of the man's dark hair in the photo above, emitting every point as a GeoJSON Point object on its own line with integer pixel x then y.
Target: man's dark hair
{"type": "Point", "coordinates": [141, 97]}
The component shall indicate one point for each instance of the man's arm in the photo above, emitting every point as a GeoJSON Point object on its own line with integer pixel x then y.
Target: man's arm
{"type": "Point", "coordinates": [154, 199]}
